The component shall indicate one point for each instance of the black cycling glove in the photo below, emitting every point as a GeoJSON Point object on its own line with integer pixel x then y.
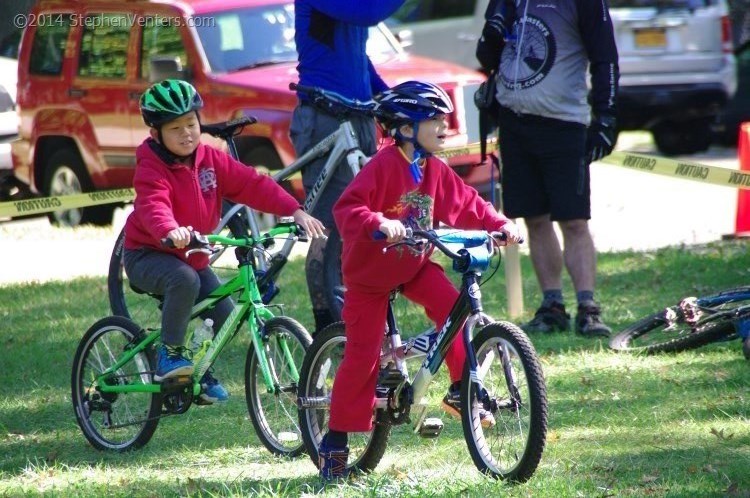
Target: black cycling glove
{"type": "Point", "coordinates": [602, 135]}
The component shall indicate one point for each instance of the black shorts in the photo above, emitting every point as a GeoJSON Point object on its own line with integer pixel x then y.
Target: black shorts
{"type": "Point", "coordinates": [308, 127]}
{"type": "Point", "coordinates": [544, 166]}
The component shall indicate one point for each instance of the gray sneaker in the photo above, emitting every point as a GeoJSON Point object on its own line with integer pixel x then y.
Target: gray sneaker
{"type": "Point", "coordinates": [548, 319]}
{"type": "Point", "coordinates": [589, 321]}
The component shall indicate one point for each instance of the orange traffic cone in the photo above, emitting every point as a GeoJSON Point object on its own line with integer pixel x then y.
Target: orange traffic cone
{"type": "Point", "coordinates": [742, 223]}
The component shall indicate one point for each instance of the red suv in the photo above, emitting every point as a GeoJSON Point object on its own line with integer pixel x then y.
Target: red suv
{"type": "Point", "coordinates": [83, 66]}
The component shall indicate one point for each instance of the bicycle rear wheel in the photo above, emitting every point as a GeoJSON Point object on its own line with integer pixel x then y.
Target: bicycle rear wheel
{"type": "Point", "coordinates": [319, 369]}
{"type": "Point", "coordinates": [510, 372]}
{"type": "Point", "coordinates": [114, 421]}
{"type": "Point", "coordinates": [274, 414]}
{"type": "Point", "coordinates": [667, 331]}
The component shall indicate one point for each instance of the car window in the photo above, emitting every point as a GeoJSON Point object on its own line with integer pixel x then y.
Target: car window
{"type": "Point", "coordinates": [430, 10]}
{"type": "Point", "coordinates": [246, 38]}
{"type": "Point", "coordinates": [662, 4]}
{"type": "Point", "coordinates": [48, 47]}
{"type": "Point", "coordinates": [160, 39]}
{"type": "Point", "coordinates": [104, 46]}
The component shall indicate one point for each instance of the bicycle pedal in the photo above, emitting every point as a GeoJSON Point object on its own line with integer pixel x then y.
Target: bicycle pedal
{"type": "Point", "coordinates": [431, 428]}
{"type": "Point", "coordinates": [390, 378]}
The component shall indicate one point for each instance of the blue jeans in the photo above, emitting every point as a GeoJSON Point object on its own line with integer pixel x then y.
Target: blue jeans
{"type": "Point", "coordinates": [181, 286]}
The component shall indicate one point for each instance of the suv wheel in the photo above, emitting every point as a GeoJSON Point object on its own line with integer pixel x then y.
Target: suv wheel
{"type": "Point", "coordinates": [674, 138]}
{"type": "Point", "coordinates": [65, 175]}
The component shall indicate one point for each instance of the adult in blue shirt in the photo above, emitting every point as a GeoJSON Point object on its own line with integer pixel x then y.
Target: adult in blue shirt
{"type": "Point", "coordinates": [331, 38]}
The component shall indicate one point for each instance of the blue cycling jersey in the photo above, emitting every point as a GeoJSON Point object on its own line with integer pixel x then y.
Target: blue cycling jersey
{"type": "Point", "coordinates": [331, 38]}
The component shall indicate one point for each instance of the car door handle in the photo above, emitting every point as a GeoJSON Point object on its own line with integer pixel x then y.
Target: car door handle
{"type": "Point", "coordinates": [76, 92]}
{"type": "Point", "coordinates": [134, 95]}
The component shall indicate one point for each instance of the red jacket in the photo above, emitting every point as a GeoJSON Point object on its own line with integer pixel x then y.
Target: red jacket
{"type": "Point", "coordinates": [170, 196]}
{"type": "Point", "coordinates": [384, 189]}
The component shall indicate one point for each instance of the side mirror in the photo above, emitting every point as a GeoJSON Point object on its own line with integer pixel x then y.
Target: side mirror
{"type": "Point", "coordinates": [164, 67]}
{"type": "Point", "coordinates": [405, 37]}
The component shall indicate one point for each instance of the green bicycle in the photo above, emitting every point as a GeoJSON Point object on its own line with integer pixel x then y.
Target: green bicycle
{"type": "Point", "coordinates": [118, 405]}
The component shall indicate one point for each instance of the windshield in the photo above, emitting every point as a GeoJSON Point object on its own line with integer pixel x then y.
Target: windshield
{"type": "Point", "coordinates": [245, 38]}
{"type": "Point", "coordinates": [661, 4]}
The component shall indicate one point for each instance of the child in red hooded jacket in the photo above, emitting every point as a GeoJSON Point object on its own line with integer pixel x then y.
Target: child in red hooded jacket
{"type": "Point", "coordinates": [179, 184]}
{"type": "Point", "coordinates": [391, 192]}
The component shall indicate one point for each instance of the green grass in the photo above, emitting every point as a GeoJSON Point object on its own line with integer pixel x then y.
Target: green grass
{"type": "Point", "coordinates": [619, 425]}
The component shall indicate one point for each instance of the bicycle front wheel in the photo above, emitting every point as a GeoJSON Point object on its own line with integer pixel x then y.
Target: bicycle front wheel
{"type": "Point", "coordinates": [273, 409]}
{"type": "Point", "coordinates": [510, 372]}
{"type": "Point", "coordinates": [658, 333]}
{"type": "Point", "coordinates": [319, 369]}
{"type": "Point", "coordinates": [114, 421]}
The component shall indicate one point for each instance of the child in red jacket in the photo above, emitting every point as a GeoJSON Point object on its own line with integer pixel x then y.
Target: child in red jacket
{"type": "Point", "coordinates": [179, 185]}
{"type": "Point", "coordinates": [392, 192]}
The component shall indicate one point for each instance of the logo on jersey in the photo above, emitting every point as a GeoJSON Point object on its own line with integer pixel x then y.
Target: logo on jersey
{"type": "Point", "coordinates": [207, 179]}
{"type": "Point", "coordinates": [538, 50]}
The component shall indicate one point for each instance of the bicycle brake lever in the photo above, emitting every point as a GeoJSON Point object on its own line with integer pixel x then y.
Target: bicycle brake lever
{"type": "Point", "coordinates": [201, 249]}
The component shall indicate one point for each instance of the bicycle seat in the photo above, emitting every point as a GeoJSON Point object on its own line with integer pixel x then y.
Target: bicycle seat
{"type": "Point", "coordinates": [227, 129]}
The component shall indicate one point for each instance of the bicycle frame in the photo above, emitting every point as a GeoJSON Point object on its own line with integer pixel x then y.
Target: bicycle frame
{"type": "Point", "coordinates": [464, 317]}
{"type": "Point", "coordinates": [340, 143]}
{"type": "Point", "coordinates": [249, 308]}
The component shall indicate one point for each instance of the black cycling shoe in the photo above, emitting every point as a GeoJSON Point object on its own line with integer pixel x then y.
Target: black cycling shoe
{"type": "Point", "coordinates": [548, 319]}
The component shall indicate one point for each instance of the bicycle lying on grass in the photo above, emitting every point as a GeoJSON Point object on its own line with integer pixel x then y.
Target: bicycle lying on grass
{"type": "Point", "coordinates": [117, 403]}
{"type": "Point", "coordinates": [691, 323]}
{"type": "Point", "coordinates": [242, 221]}
{"type": "Point", "coordinates": [502, 375]}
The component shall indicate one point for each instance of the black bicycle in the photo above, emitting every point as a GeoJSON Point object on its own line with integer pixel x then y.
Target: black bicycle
{"type": "Point", "coordinates": [502, 376]}
{"type": "Point", "coordinates": [690, 324]}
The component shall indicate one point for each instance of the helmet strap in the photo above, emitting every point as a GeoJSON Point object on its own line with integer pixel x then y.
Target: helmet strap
{"type": "Point", "coordinates": [418, 154]}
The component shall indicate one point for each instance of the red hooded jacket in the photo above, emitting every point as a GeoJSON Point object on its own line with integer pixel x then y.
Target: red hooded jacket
{"type": "Point", "coordinates": [168, 196]}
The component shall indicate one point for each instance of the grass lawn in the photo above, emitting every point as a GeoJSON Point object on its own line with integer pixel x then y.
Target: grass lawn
{"type": "Point", "coordinates": [619, 425]}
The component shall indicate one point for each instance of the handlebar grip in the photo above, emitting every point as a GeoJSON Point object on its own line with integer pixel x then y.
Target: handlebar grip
{"type": "Point", "coordinates": [167, 242]}
{"type": "Point", "coordinates": [378, 235]}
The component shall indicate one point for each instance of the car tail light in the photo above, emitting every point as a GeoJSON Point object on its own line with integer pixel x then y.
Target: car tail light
{"type": "Point", "coordinates": [453, 117]}
{"type": "Point", "coordinates": [726, 35]}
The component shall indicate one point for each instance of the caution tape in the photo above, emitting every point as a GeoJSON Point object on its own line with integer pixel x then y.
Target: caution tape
{"type": "Point", "coordinates": [63, 202]}
{"type": "Point", "coordinates": [465, 150]}
{"type": "Point", "coordinates": [714, 175]}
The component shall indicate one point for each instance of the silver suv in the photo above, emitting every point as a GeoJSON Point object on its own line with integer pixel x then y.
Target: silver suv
{"type": "Point", "coordinates": [677, 70]}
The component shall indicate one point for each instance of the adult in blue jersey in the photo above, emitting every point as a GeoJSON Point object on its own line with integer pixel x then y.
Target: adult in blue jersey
{"type": "Point", "coordinates": [551, 129]}
{"type": "Point", "coordinates": [331, 38]}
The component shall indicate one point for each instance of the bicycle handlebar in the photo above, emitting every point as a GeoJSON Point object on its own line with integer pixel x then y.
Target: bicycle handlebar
{"type": "Point", "coordinates": [332, 101]}
{"type": "Point", "coordinates": [202, 243]}
{"type": "Point", "coordinates": [474, 253]}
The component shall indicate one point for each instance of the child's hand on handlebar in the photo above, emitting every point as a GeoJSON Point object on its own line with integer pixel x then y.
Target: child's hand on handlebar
{"type": "Point", "coordinates": [394, 230]}
{"type": "Point", "coordinates": [180, 236]}
{"type": "Point", "coordinates": [512, 234]}
{"type": "Point", "coordinates": [312, 226]}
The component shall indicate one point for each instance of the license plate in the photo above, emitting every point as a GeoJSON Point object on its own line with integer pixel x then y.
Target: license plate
{"type": "Point", "coordinates": [651, 38]}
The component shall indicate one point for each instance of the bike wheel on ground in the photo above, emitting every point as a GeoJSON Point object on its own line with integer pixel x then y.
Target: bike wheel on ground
{"type": "Point", "coordinates": [322, 361]}
{"type": "Point", "coordinates": [274, 414]}
{"type": "Point", "coordinates": [667, 331]}
{"type": "Point", "coordinates": [511, 374]}
{"type": "Point", "coordinates": [110, 421]}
